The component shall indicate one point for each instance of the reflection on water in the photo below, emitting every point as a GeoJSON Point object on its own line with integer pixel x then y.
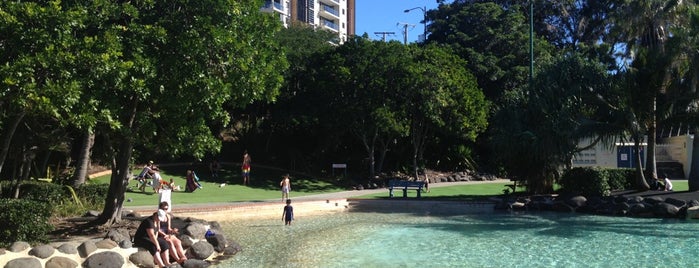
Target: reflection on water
{"type": "Point", "coordinates": [476, 240]}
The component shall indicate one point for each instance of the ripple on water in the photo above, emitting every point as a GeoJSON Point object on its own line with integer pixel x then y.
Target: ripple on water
{"type": "Point", "coordinates": [477, 240]}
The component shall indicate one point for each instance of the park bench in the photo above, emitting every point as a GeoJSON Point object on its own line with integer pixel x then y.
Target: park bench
{"type": "Point", "coordinates": [516, 182]}
{"type": "Point", "coordinates": [405, 185]}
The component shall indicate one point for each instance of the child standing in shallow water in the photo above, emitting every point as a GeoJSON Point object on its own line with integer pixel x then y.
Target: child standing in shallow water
{"type": "Point", "coordinates": [288, 214]}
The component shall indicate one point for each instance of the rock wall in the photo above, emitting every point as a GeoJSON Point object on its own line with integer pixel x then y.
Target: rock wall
{"type": "Point", "coordinates": [204, 245]}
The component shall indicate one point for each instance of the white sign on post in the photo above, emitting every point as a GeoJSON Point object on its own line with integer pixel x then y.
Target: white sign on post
{"type": "Point", "coordinates": [166, 196]}
{"type": "Point", "coordinates": [343, 166]}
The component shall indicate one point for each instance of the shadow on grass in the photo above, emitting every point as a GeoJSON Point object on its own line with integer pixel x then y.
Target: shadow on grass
{"type": "Point", "coordinates": [260, 177]}
{"type": "Point", "coordinates": [425, 196]}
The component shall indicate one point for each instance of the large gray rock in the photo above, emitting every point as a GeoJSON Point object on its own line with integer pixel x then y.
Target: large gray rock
{"type": "Point", "coordinates": [640, 209]}
{"type": "Point", "coordinates": [665, 210]}
{"type": "Point", "coordinates": [125, 244]}
{"type": "Point", "coordinates": [19, 246]}
{"type": "Point", "coordinates": [576, 201]}
{"type": "Point", "coordinates": [106, 259]}
{"type": "Point", "coordinates": [86, 248]}
{"type": "Point", "coordinates": [693, 212]}
{"type": "Point", "coordinates": [28, 262]}
{"type": "Point", "coordinates": [676, 202]}
{"type": "Point", "coordinates": [106, 244]}
{"type": "Point", "coordinates": [61, 262]}
{"type": "Point", "coordinates": [42, 251]}
{"type": "Point", "coordinates": [68, 248]}
{"type": "Point", "coordinates": [200, 250]}
{"type": "Point", "coordinates": [232, 248]}
{"type": "Point", "coordinates": [142, 258]}
{"type": "Point", "coordinates": [195, 230]}
{"type": "Point", "coordinates": [187, 241]}
{"type": "Point", "coordinates": [195, 264]}
{"type": "Point", "coordinates": [118, 235]}
{"type": "Point", "coordinates": [653, 200]}
{"type": "Point", "coordinates": [218, 241]}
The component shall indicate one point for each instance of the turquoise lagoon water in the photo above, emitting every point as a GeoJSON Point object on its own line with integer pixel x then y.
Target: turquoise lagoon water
{"type": "Point", "coordinates": [498, 239]}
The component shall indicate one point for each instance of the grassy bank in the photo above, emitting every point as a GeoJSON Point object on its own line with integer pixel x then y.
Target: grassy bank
{"type": "Point", "coordinates": [265, 186]}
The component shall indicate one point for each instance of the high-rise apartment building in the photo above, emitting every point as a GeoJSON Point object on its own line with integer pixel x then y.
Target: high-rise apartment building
{"type": "Point", "coordinates": [336, 16]}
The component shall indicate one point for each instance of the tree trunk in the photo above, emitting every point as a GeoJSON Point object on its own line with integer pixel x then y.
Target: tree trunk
{"type": "Point", "coordinates": [84, 158]}
{"type": "Point", "coordinates": [382, 154]}
{"type": "Point", "coordinates": [117, 186]}
{"type": "Point", "coordinates": [693, 180]}
{"type": "Point", "coordinates": [651, 168]}
{"type": "Point", "coordinates": [641, 182]}
{"type": "Point", "coordinates": [7, 138]}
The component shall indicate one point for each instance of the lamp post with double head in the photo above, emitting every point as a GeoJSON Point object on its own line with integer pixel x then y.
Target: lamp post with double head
{"type": "Point", "coordinates": [424, 20]}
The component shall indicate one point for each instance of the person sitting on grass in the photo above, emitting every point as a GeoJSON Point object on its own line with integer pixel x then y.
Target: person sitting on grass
{"type": "Point", "coordinates": [192, 182]}
{"type": "Point", "coordinates": [668, 184]}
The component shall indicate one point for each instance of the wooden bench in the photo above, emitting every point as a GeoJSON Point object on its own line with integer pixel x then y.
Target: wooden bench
{"type": "Point", "coordinates": [404, 185]}
{"type": "Point", "coordinates": [514, 185]}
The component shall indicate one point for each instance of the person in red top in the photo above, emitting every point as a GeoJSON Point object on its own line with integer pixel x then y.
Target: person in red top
{"type": "Point", "coordinates": [246, 168]}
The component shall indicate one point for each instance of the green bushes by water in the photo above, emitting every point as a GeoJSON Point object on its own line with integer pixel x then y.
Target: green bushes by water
{"type": "Point", "coordinates": [27, 218]}
{"type": "Point", "coordinates": [596, 181]}
{"type": "Point", "coordinates": [24, 220]}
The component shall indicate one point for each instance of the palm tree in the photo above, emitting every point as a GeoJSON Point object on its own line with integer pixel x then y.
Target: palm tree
{"type": "Point", "coordinates": [644, 27]}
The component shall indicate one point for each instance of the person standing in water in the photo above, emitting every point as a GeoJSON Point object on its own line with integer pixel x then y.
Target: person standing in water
{"type": "Point", "coordinates": [288, 214]}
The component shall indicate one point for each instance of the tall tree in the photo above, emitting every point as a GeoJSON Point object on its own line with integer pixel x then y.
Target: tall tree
{"type": "Point", "coordinates": [645, 28]}
{"type": "Point", "coordinates": [34, 59]}
{"type": "Point", "coordinates": [441, 95]}
{"type": "Point", "coordinates": [164, 71]}
{"type": "Point", "coordinates": [545, 124]}
{"type": "Point", "coordinates": [493, 39]}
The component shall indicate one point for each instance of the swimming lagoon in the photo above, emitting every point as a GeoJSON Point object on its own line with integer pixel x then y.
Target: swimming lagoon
{"type": "Point", "coordinates": [492, 239]}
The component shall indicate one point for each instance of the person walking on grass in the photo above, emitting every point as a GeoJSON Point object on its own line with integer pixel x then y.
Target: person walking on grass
{"type": "Point", "coordinates": [214, 167]}
{"type": "Point", "coordinates": [245, 167]}
{"type": "Point", "coordinates": [288, 214]}
{"type": "Point", "coordinates": [286, 187]}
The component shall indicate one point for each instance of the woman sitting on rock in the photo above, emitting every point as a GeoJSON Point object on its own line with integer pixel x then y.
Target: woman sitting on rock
{"type": "Point", "coordinates": [147, 237]}
{"type": "Point", "coordinates": [170, 234]}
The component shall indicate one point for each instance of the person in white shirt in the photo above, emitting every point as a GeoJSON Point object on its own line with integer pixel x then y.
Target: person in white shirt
{"type": "Point", "coordinates": [668, 184]}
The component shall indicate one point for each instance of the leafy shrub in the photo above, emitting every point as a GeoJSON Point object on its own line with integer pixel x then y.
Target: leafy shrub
{"type": "Point", "coordinates": [43, 191]}
{"type": "Point", "coordinates": [620, 178]}
{"type": "Point", "coordinates": [92, 193]}
{"type": "Point", "coordinates": [24, 220]}
{"type": "Point", "coordinates": [586, 181]}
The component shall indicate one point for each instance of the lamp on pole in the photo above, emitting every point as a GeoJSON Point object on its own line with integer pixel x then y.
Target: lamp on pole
{"type": "Point", "coordinates": [424, 20]}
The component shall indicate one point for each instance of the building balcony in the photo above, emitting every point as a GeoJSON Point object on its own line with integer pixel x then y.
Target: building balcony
{"type": "Point", "coordinates": [329, 24]}
{"type": "Point", "coordinates": [273, 6]}
{"type": "Point", "coordinates": [333, 3]}
{"type": "Point", "coordinates": [330, 11]}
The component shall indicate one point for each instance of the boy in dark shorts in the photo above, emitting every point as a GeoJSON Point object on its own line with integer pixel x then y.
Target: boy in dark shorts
{"type": "Point", "coordinates": [288, 214]}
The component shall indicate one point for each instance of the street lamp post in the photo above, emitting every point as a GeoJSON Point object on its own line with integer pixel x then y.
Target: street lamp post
{"type": "Point", "coordinates": [424, 20]}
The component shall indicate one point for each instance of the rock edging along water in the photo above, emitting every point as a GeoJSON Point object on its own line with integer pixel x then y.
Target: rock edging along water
{"type": "Point", "coordinates": [203, 242]}
{"type": "Point", "coordinates": [633, 206]}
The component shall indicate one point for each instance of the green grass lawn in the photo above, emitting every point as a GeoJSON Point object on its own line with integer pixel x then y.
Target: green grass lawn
{"type": "Point", "coordinates": [264, 185]}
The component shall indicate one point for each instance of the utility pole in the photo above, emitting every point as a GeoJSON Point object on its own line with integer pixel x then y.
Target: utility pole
{"type": "Point", "coordinates": [424, 21]}
{"type": "Point", "coordinates": [405, 31]}
{"type": "Point", "coordinates": [384, 34]}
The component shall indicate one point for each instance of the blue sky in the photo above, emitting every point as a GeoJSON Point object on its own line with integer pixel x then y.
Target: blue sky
{"type": "Point", "coordinates": [388, 16]}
